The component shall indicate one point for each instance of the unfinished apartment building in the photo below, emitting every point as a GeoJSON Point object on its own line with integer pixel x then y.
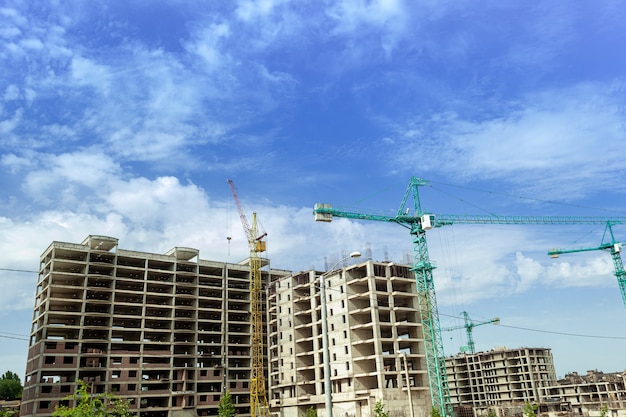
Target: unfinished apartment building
{"type": "Point", "coordinates": [376, 346]}
{"type": "Point", "coordinates": [586, 394]}
{"type": "Point", "coordinates": [499, 376]}
{"type": "Point", "coordinates": [168, 331]}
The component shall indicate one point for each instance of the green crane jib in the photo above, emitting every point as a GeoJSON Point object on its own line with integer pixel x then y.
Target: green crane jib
{"type": "Point", "coordinates": [418, 222]}
{"type": "Point", "coordinates": [615, 248]}
{"type": "Point", "coordinates": [469, 327]}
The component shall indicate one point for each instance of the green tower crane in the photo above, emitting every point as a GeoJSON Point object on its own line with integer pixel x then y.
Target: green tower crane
{"type": "Point", "coordinates": [469, 327]}
{"type": "Point", "coordinates": [615, 248]}
{"type": "Point", "coordinates": [417, 221]}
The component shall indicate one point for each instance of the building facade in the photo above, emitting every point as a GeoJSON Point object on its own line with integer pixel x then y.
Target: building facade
{"type": "Point", "coordinates": [586, 394]}
{"type": "Point", "coordinates": [499, 376]}
{"type": "Point", "coordinates": [169, 331]}
{"type": "Point", "coordinates": [376, 347]}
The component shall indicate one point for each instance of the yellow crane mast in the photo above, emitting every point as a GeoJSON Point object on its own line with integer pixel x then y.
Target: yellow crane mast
{"type": "Point", "coordinates": [258, 395]}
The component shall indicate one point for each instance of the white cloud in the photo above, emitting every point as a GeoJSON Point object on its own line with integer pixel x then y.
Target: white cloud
{"type": "Point", "coordinates": [86, 72]}
{"type": "Point", "coordinates": [15, 163]}
{"type": "Point", "coordinates": [9, 32]}
{"type": "Point", "coordinates": [208, 46]}
{"type": "Point", "coordinates": [253, 10]}
{"type": "Point", "coordinates": [356, 18]}
{"type": "Point", "coordinates": [14, 15]}
{"type": "Point", "coordinates": [530, 272]}
{"type": "Point", "coordinates": [156, 215]}
{"type": "Point", "coordinates": [12, 92]}
{"type": "Point", "coordinates": [89, 167]}
{"type": "Point", "coordinates": [162, 201]}
{"type": "Point", "coordinates": [574, 134]}
{"type": "Point", "coordinates": [275, 24]}
{"type": "Point", "coordinates": [583, 271]}
{"type": "Point", "coordinates": [30, 237]}
{"type": "Point", "coordinates": [33, 44]}
{"type": "Point", "coordinates": [350, 14]}
{"type": "Point", "coordinates": [8, 125]}
{"type": "Point", "coordinates": [483, 262]}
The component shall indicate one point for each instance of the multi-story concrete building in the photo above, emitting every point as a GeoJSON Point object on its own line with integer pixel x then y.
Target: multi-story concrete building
{"type": "Point", "coordinates": [169, 331]}
{"type": "Point", "coordinates": [375, 336]}
{"type": "Point", "coordinates": [500, 376]}
{"type": "Point", "coordinates": [587, 394]}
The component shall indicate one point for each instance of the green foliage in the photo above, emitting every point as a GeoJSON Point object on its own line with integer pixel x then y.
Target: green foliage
{"type": "Point", "coordinates": [99, 405]}
{"type": "Point", "coordinates": [226, 407]}
{"type": "Point", "coordinates": [10, 386]}
{"type": "Point", "coordinates": [311, 412]}
{"type": "Point", "coordinates": [434, 412]}
{"type": "Point", "coordinates": [10, 375]}
{"type": "Point", "coordinates": [491, 413]}
{"type": "Point", "coordinates": [379, 409]}
{"type": "Point", "coordinates": [604, 410]}
{"type": "Point", "coordinates": [530, 410]}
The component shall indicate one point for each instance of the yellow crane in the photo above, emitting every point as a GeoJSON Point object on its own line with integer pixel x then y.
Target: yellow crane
{"type": "Point", "coordinates": [258, 395]}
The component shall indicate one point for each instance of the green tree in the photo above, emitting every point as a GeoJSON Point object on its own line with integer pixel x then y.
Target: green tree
{"type": "Point", "coordinates": [530, 410]}
{"type": "Point", "coordinates": [311, 412]}
{"type": "Point", "coordinates": [10, 386]}
{"type": "Point", "coordinates": [379, 409]}
{"type": "Point", "coordinates": [604, 410]}
{"type": "Point", "coordinates": [226, 408]}
{"type": "Point", "coordinates": [434, 412]}
{"type": "Point", "coordinates": [491, 413]}
{"type": "Point", "coordinates": [100, 405]}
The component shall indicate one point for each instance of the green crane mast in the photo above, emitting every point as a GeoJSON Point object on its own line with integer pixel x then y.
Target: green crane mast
{"type": "Point", "coordinates": [615, 248]}
{"type": "Point", "coordinates": [469, 327]}
{"type": "Point", "coordinates": [411, 216]}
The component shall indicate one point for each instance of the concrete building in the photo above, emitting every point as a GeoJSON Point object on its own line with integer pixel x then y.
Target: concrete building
{"type": "Point", "coordinates": [376, 345]}
{"type": "Point", "coordinates": [591, 395]}
{"type": "Point", "coordinates": [585, 395]}
{"type": "Point", "coordinates": [500, 376]}
{"type": "Point", "coordinates": [169, 331]}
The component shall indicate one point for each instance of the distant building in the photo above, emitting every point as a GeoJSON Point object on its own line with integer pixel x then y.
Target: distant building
{"type": "Point", "coordinates": [503, 380]}
{"type": "Point", "coordinates": [500, 376]}
{"type": "Point", "coordinates": [375, 342]}
{"type": "Point", "coordinates": [169, 331]}
{"type": "Point", "coordinates": [586, 394]}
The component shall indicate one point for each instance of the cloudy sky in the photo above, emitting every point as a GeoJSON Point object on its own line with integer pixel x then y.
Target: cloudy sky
{"type": "Point", "coordinates": [126, 119]}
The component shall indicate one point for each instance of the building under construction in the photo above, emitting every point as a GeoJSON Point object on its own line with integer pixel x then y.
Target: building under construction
{"type": "Point", "coordinates": [376, 347]}
{"type": "Point", "coordinates": [171, 332]}
{"type": "Point", "coordinates": [503, 381]}
{"type": "Point", "coordinates": [500, 375]}
{"type": "Point", "coordinates": [587, 394]}
{"type": "Point", "coordinates": [481, 381]}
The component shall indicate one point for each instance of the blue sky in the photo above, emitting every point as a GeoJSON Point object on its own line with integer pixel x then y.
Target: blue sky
{"type": "Point", "coordinates": [127, 118]}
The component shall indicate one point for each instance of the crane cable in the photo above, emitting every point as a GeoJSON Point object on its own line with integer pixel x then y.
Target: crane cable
{"type": "Point", "coordinates": [522, 198]}
{"type": "Point", "coordinates": [14, 336]}
{"type": "Point", "coordinates": [550, 331]}
{"type": "Point", "coordinates": [19, 270]}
